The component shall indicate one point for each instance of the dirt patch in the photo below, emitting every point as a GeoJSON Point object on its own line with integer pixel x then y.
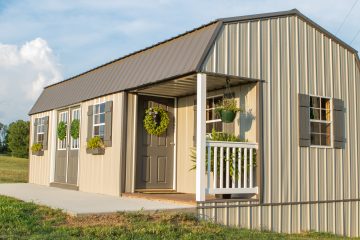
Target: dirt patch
{"type": "Point", "coordinates": [124, 219]}
{"type": "Point", "coordinates": [97, 220]}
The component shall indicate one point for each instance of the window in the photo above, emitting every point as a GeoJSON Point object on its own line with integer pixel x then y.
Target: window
{"type": "Point", "coordinates": [75, 143]}
{"type": "Point", "coordinates": [99, 120]}
{"type": "Point", "coordinates": [40, 131]}
{"type": "Point", "coordinates": [63, 117]}
{"type": "Point", "coordinates": [320, 121]}
{"type": "Point", "coordinates": [212, 119]}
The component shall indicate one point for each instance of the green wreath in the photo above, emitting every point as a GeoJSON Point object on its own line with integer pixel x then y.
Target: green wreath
{"type": "Point", "coordinates": [61, 130]}
{"type": "Point", "coordinates": [75, 128]}
{"type": "Point", "coordinates": [156, 121]}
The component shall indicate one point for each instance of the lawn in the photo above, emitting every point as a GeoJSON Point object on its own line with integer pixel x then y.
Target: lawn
{"type": "Point", "coordinates": [21, 220]}
{"type": "Point", "coordinates": [29, 221]}
{"type": "Point", "coordinates": [13, 169]}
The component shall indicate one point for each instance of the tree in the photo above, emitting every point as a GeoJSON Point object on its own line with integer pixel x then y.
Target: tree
{"type": "Point", "coordinates": [18, 138]}
{"type": "Point", "coordinates": [3, 138]}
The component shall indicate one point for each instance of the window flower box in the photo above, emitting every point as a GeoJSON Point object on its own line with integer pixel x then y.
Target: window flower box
{"type": "Point", "coordinates": [38, 153]}
{"type": "Point", "coordinates": [95, 151]}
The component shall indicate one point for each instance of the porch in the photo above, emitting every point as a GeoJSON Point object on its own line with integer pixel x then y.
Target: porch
{"type": "Point", "coordinates": [221, 168]}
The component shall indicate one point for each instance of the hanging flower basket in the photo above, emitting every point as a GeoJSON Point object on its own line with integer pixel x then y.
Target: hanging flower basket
{"type": "Point", "coordinates": [156, 121]}
{"type": "Point", "coordinates": [227, 116]}
{"type": "Point", "coordinates": [227, 110]}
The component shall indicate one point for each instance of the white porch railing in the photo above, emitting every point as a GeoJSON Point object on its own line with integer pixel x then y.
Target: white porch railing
{"type": "Point", "coordinates": [231, 166]}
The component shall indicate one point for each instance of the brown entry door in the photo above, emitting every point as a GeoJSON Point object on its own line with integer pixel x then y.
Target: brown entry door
{"type": "Point", "coordinates": [67, 152]}
{"type": "Point", "coordinates": [155, 154]}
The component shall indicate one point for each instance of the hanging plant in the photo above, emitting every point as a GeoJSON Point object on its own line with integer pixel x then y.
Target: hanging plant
{"type": "Point", "coordinates": [156, 121]}
{"type": "Point", "coordinates": [75, 128]}
{"type": "Point", "coordinates": [61, 130]}
{"type": "Point", "coordinates": [227, 110]}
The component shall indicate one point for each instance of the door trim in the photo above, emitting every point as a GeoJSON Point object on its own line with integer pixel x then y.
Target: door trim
{"type": "Point", "coordinates": [136, 103]}
{"type": "Point", "coordinates": [53, 121]}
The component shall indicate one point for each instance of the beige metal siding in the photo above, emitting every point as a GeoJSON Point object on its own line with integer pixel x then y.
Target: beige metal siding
{"type": "Point", "coordinates": [294, 57]}
{"type": "Point", "coordinates": [246, 95]}
{"type": "Point", "coordinates": [240, 214]}
{"type": "Point", "coordinates": [101, 174]}
{"type": "Point", "coordinates": [39, 166]}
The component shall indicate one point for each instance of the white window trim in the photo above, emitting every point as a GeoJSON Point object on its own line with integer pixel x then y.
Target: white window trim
{"type": "Point", "coordinates": [214, 120]}
{"type": "Point", "coordinates": [323, 121]}
{"type": "Point", "coordinates": [40, 126]}
{"type": "Point", "coordinates": [98, 124]}
{"type": "Point", "coordinates": [61, 118]}
{"type": "Point", "coordinates": [71, 139]}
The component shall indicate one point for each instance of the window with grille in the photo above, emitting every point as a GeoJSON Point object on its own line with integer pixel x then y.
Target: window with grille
{"type": "Point", "coordinates": [40, 131]}
{"type": "Point", "coordinates": [75, 143]}
{"type": "Point", "coordinates": [63, 117]}
{"type": "Point", "coordinates": [212, 119]}
{"type": "Point", "coordinates": [320, 121]}
{"type": "Point", "coordinates": [99, 120]}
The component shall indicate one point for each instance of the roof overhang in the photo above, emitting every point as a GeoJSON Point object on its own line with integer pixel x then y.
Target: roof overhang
{"type": "Point", "coordinates": [186, 85]}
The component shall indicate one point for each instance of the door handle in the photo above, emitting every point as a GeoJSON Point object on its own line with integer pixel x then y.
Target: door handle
{"type": "Point", "coordinates": [172, 143]}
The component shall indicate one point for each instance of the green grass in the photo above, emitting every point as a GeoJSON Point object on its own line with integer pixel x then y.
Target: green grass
{"type": "Point", "coordinates": [13, 169]}
{"type": "Point", "coordinates": [29, 221]}
{"type": "Point", "coordinates": [21, 220]}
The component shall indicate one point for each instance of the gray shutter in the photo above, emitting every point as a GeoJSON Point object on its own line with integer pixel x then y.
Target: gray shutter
{"type": "Point", "coordinates": [338, 123]}
{"type": "Point", "coordinates": [195, 124]}
{"type": "Point", "coordinates": [36, 120]}
{"type": "Point", "coordinates": [90, 122]}
{"type": "Point", "coordinates": [304, 120]}
{"type": "Point", "coordinates": [108, 124]}
{"type": "Point", "coordinates": [46, 130]}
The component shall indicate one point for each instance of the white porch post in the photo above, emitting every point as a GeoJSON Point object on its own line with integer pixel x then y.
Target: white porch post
{"type": "Point", "coordinates": [200, 136]}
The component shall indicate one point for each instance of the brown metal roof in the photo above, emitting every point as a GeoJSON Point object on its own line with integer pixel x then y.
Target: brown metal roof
{"type": "Point", "coordinates": [175, 57]}
{"type": "Point", "coordinates": [178, 56]}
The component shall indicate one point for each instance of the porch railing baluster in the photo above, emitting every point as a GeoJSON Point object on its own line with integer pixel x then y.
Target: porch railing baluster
{"type": "Point", "coordinates": [239, 168]}
{"type": "Point", "coordinates": [245, 168]}
{"type": "Point", "coordinates": [227, 167]}
{"type": "Point", "coordinates": [233, 157]}
{"type": "Point", "coordinates": [215, 167]}
{"type": "Point", "coordinates": [209, 167]}
{"type": "Point", "coordinates": [251, 168]}
{"type": "Point", "coordinates": [221, 167]}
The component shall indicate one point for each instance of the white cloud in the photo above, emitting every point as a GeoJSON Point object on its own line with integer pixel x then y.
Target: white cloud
{"type": "Point", "coordinates": [24, 71]}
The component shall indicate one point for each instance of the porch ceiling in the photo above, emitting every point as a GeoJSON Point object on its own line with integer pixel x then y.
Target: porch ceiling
{"type": "Point", "coordinates": [186, 86]}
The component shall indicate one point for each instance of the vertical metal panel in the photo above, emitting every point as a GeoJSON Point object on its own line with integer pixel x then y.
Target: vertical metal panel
{"type": "Point", "coordinates": [298, 58]}
{"type": "Point", "coordinates": [39, 166]}
{"type": "Point", "coordinates": [101, 174]}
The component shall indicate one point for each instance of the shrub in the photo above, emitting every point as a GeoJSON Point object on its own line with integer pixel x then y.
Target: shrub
{"type": "Point", "coordinates": [36, 147]}
{"type": "Point", "coordinates": [95, 142]}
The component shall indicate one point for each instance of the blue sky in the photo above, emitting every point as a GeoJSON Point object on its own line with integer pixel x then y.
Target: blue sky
{"type": "Point", "coordinates": [44, 41]}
